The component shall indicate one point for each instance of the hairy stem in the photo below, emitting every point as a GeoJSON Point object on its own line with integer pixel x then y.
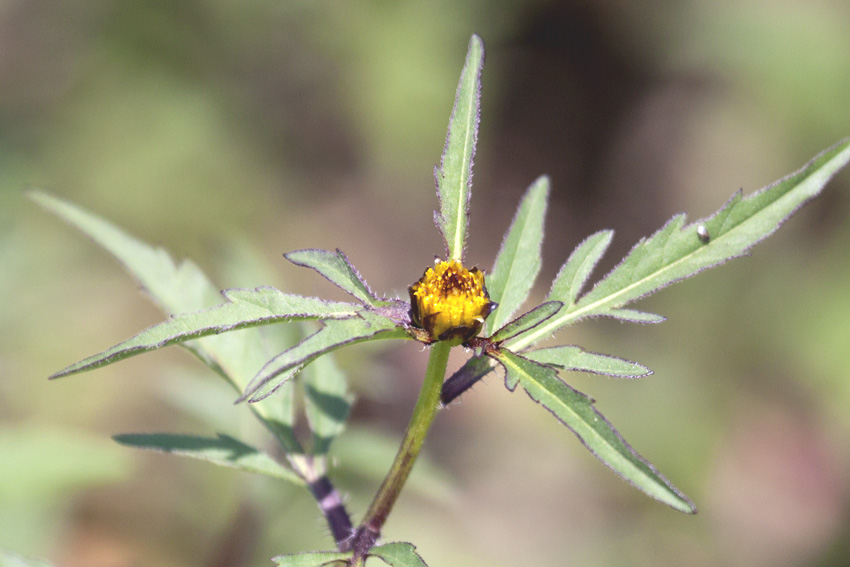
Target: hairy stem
{"type": "Point", "coordinates": [423, 415]}
{"type": "Point", "coordinates": [330, 503]}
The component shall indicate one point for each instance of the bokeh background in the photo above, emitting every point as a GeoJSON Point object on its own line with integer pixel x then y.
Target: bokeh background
{"type": "Point", "coordinates": [233, 132]}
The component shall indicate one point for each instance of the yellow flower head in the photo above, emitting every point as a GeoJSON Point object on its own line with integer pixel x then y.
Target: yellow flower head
{"type": "Point", "coordinates": [450, 302]}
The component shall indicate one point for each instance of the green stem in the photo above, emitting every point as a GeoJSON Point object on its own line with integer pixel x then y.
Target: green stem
{"type": "Point", "coordinates": [420, 422]}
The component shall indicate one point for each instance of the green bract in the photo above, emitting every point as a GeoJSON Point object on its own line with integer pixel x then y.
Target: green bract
{"type": "Point", "coordinates": [200, 321]}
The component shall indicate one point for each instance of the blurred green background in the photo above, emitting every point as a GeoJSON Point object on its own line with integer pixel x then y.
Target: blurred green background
{"type": "Point", "coordinates": [233, 132]}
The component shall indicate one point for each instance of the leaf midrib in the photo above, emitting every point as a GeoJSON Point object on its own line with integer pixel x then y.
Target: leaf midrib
{"type": "Point", "coordinates": [589, 432]}
{"type": "Point", "coordinates": [600, 304]}
{"type": "Point", "coordinates": [514, 265]}
{"type": "Point", "coordinates": [462, 196]}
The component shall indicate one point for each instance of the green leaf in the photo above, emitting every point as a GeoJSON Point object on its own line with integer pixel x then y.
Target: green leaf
{"type": "Point", "coordinates": [576, 411]}
{"type": "Point", "coordinates": [313, 559]}
{"type": "Point", "coordinates": [518, 261]}
{"type": "Point", "coordinates": [454, 176]}
{"type": "Point", "coordinates": [677, 251]}
{"type": "Point", "coordinates": [578, 359]}
{"type": "Point", "coordinates": [398, 554]}
{"type": "Point", "coordinates": [328, 403]}
{"type": "Point", "coordinates": [337, 269]}
{"type": "Point", "coordinates": [223, 450]}
{"type": "Point", "coordinates": [635, 316]}
{"type": "Point", "coordinates": [247, 308]}
{"type": "Point", "coordinates": [175, 288]}
{"type": "Point", "coordinates": [179, 289]}
{"type": "Point", "coordinates": [479, 366]}
{"type": "Point", "coordinates": [465, 377]}
{"type": "Point", "coordinates": [574, 273]}
{"type": "Point", "coordinates": [334, 333]}
{"type": "Point", "coordinates": [527, 321]}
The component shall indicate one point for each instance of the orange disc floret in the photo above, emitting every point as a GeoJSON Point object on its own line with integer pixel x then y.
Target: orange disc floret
{"type": "Point", "coordinates": [450, 302]}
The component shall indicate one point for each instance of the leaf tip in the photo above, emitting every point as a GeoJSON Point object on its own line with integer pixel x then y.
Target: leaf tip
{"type": "Point", "coordinates": [69, 370]}
{"type": "Point", "coordinates": [542, 183]}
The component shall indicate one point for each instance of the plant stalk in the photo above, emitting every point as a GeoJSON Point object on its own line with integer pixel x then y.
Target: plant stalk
{"type": "Point", "coordinates": [420, 422]}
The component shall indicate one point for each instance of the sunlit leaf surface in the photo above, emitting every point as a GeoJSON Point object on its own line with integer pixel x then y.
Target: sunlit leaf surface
{"type": "Point", "coordinates": [454, 176]}
{"type": "Point", "coordinates": [678, 251]}
{"type": "Point", "coordinates": [576, 411]}
{"type": "Point", "coordinates": [518, 261]}
{"type": "Point", "coordinates": [337, 269]}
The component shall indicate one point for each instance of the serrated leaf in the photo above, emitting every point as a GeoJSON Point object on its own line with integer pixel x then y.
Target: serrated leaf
{"type": "Point", "coordinates": [576, 358]}
{"type": "Point", "coordinates": [398, 554]}
{"type": "Point", "coordinates": [180, 289]}
{"type": "Point", "coordinates": [574, 273]}
{"type": "Point", "coordinates": [334, 333]}
{"type": "Point", "coordinates": [247, 308]}
{"type": "Point", "coordinates": [223, 451]}
{"type": "Point", "coordinates": [454, 176]}
{"type": "Point", "coordinates": [314, 559]}
{"type": "Point", "coordinates": [677, 251]}
{"type": "Point", "coordinates": [527, 321]}
{"type": "Point", "coordinates": [175, 288]}
{"type": "Point", "coordinates": [518, 261]}
{"type": "Point", "coordinates": [336, 268]}
{"type": "Point", "coordinates": [576, 411]}
{"type": "Point", "coordinates": [327, 403]}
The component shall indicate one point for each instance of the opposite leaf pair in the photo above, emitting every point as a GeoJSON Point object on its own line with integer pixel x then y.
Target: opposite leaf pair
{"type": "Point", "coordinates": [673, 253]}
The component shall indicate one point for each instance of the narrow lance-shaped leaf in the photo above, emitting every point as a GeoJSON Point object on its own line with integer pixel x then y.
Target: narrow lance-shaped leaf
{"type": "Point", "coordinates": [327, 402]}
{"type": "Point", "coordinates": [240, 355]}
{"type": "Point", "coordinates": [454, 176]}
{"type": "Point", "coordinates": [576, 411]}
{"type": "Point", "coordinates": [337, 269]}
{"type": "Point", "coordinates": [576, 358]}
{"type": "Point", "coordinates": [334, 333]}
{"type": "Point", "coordinates": [465, 377]}
{"type": "Point", "coordinates": [518, 261]}
{"type": "Point", "coordinates": [224, 451]}
{"type": "Point", "coordinates": [182, 289]}
{"type": "Point", "coordinates": [398, 554]}
{"type": "Point", "coordinates": [570, 358]}
{"type": "Point", "coordinates": [574, 273]}
{"type": "Point", "coordinates": [479, 366]}
{"type": "Point", "coordinates": [528, 321]}
{"type": "Point", "coordinates": [175, 288]}
{"type": "Point", "coordinates": [676, 251]}
{"type": "Point", "coordinates": [247, 308]}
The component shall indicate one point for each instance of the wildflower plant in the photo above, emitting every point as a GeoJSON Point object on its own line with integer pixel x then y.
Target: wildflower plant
{"type": "Point", "coordinates": [451, 306]}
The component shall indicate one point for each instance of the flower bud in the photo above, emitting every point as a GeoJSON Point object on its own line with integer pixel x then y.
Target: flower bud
{"type": "Point", "coordinates": [450, 302]}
